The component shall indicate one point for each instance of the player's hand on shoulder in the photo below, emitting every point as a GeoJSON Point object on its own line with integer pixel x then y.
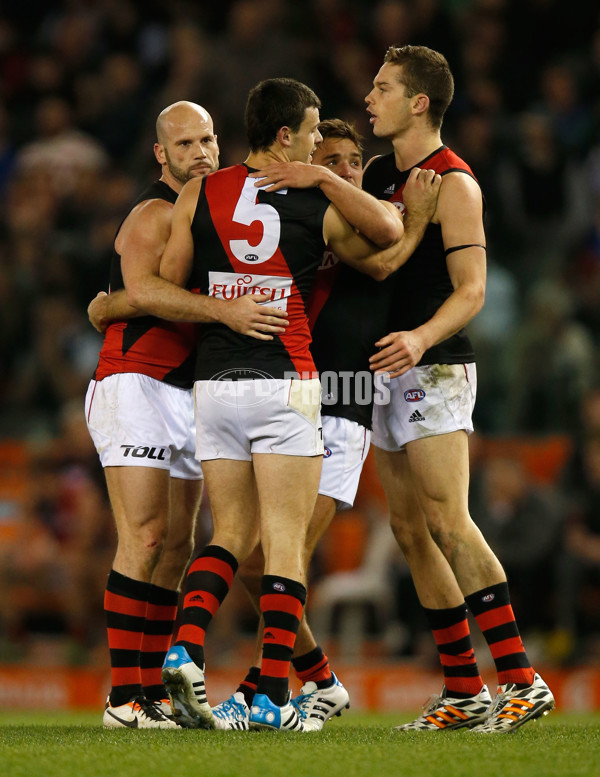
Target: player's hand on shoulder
{"type": "Point", "coordinates": [421, 192]}
{"type": "Point", "coordinates": [97, 312]}
{"type": "Point", "coordinates": [246, 316]}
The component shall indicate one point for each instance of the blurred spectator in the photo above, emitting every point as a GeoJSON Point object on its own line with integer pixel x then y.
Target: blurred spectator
{"type": "Point", "coordinates": [522, 522]}
{"type": "Point", "coordinates": [390, 20]}
{"type": "Point", "coordinates": [492, 333]}
{"type": "Point", "coordinates": [552, 363]}
{"type": "Point", "coordinates": [543, 189]}
{"type": "Point", "coordinates": [62, 152]}
{"type": "Point", "coordinates": [189, 54]}
{"type": "Point", "coordinates": [256, 44]}
{"type": "Point", "coordinates": [331, 21]}
{"type": "Point", "coordinates": [484, 34]}
{"type": "Point", "coordinates": [53, 571]}
{"type": "Point", "coordinates": [571, 118]}
{"type": "Point", "coordinates": [579, 564]}
{"type": "Point", "coordinates": [44, 76]}
{"type": "Point", "coordinates": [586, 426]}
{"type": "Point", "coordinates": [563, 36]}
{"type": "Point", "coordinates": [57, 369]}
{"type": "Point", "coordinates": [120, 118]}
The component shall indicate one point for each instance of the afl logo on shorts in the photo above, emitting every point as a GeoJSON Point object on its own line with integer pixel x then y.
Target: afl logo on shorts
{"type": "Point", "coordinates": [414, 395]}
{"type": "Point", "coordinates": [326, 453]}
{"type": "Point", "coordinates": [229, 385]}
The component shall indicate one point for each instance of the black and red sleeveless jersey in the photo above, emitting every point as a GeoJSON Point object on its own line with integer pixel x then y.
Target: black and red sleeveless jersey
{"type": "Point", "coordinates": [348, 313]}
{"type": "Point", "coordinates": [160, 349]}
{"type": "Point", "coordinates": [421, 285]}
{"type": "Point", "coordinates": [248, 240]}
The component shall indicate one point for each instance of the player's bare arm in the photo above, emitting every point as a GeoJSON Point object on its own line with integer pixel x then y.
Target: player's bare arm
{"type": "Point", "coordinates": [362, 210]}
{"type": "Point", "coordinates": [420, 197]}
{"type": "Point", "coordinates": [342, 238]}
{"type": "Point", "coordinates": [175, 263]}
{"type": "Point", "coordinates": [141, 243]}
{"type": "Point", "coordinates": [460, 214]}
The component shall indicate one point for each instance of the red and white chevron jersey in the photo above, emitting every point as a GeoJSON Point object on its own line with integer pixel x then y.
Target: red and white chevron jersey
{"type": "Point", "coordinates": [160, 349]}
{"type": "Point", "coordinates": [248, 240]}
{"type": "Point", "coordinates": [423, 284]}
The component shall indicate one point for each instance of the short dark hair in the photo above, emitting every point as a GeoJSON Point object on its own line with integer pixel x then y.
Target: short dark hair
{"type": "Point", "coordinates": [273, 104]}
{"type": "Point", "coordinates": [425, 71]}
{"type": "Point", "coordinates": [338, 128]}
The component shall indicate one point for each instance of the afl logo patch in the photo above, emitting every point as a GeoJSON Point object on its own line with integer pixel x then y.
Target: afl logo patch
{"type": "Point", "coordinates": [279, 587]}
{"type": "Point", "coordinates": [326, 453]}
{"type": "Point", "coordinates": [414, 395]}
{"type": "Point", "coordinates": [251, 258]}
{"type": "Point", "coordinates": [488, 598]}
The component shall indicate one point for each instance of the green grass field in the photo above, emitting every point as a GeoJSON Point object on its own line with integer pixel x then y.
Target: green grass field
{"type": "Point", "coordinates": [38, 744]}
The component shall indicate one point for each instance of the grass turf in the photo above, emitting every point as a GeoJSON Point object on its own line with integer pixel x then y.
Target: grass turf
{"type": "Point", "coordinates": [43, 745]}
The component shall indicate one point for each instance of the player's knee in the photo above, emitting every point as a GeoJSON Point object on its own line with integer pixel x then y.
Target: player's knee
{"type": "Point", "coordinates": [179, 548]}
{"type": "Point", "coordinates": [149, 535]}
{"type": "Point", "coordinates": [452, 529]}
{"type": "Point", "coordinates": [450, 540]}
{"type": "Point", "coordinates": [150, 540]}
{"type": "Point", "coordinates": [179, 540]}
{"type": "Point", "coordinates": [407, 533]}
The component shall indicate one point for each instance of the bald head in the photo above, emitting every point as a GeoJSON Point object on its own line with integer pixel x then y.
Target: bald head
{"type": "Point", "coordinates": [186, 145]}
{"type": "Point", "coordinates": [177, 115]}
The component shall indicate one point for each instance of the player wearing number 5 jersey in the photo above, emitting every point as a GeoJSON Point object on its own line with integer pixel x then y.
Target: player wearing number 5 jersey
{"type": "Point", "coordinates": [259, 435]}
{"type": "Point", "coordinates": [279, 253]}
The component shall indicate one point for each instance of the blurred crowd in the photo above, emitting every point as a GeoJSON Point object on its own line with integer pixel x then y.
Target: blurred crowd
{"type": "Point", "coordinates": [81, 83]}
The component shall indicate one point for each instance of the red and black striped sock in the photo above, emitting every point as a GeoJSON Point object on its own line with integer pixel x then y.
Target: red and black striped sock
{"type": "Point", "coordinates": [125, 603]}
{"type": "Point", "coordinates": [158, 632]}
{"type": "Point", "coordinates": [281, 604]}
{"type": "Point", "coordinates": [248, 685]}
{"type": "Point", "coordinates": [494, 615]}
{"type": "Point", "coordinates": [452, 636]}
{"type": "Point", "coordinates": [313, 666]}
{"type": "Point", "coordinates": [208, 581]}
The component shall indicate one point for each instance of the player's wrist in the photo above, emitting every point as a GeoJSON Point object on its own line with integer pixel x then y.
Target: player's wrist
{"type": "Point", "coordinates": [325, 177]}
{"type": "Point", "coordinates": [426, 337]}
{"type": "Point", "coordinates": [101, 312]}
{"type": "Point", "coordinates": [216, 310]}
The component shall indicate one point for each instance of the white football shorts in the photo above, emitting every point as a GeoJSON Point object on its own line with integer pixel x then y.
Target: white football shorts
{"type": "Point", "coordinates": [236, 418]}
{"type": "Point", "coordinates": [138, 421]}
{"type": "Point", "coordinates": [346, 446]}
{"type": "Point", "coordinates": [425, 402]}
